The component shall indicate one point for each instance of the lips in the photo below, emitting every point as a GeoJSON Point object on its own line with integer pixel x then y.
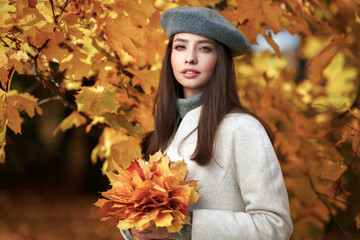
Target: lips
{"type": "Point", "coordinates": [190, 73]}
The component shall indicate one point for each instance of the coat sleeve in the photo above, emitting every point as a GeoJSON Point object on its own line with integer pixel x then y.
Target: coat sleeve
{"type": "Point", "coordinates": [127, 234]}
{"type": "Point", "coordinates": [262, 187]}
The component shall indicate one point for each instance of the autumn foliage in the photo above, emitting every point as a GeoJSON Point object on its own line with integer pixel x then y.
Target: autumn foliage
{"type": "Point", "coordinates": [148, 194]}
{"type": "Point", "coordinates": [102, 59]}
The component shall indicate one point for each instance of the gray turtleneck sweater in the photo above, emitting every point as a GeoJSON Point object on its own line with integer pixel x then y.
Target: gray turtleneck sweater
{"type": "Point", "coordinates": [185, 105]}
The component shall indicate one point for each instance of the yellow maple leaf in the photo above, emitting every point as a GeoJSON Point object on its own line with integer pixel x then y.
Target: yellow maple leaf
{"type": "Point", "coordinates": [45, 11]}
{"type": "Point", "coordinates": [296, 25]}
{"type": "Point", "coordinates": [97, 100]}
{"type": "Point", "coordinates": [272, 15]}
{"type": "Point", "coordinates": [341, 82]}
{"type": "Point", "coordinates": [138, 11]}
{"type": "Point", "coordinates": [13, 103]}
{"type": "Point", "coordinates": [56, 47]}
{"type": "Point", "coordinates": [323, 59]}
{"type": "Point", "coordinates": [248, 17]}
{"type": "Point", "coordinates": [273, 44]}
{"type": "Point", "coordinates": [5, 10]}
{"type": "Point", "coordinates": [116, 146]}
{"type": "Point", "coordinates": [75, 66]}
{"type": "Point", "coordinates": [122, 34]}
{"type": "Point", "coordinates": [198, 2]}
{"type": "Point", "coordinates": [75, 119]}
{"type": "Point", "coordinates": [147, 78]}
{"type": "Point", "coordinates": [3, 60]}
{"type": "Point", "coordinates": [123, 152]}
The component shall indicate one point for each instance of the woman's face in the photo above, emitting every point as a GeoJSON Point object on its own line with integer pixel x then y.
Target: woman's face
{"type": "Point", "coordinates": [193, 60]}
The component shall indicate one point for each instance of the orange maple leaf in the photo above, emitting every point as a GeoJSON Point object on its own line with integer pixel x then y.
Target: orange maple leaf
{"type": "Point", "coordinates": [148, 194]}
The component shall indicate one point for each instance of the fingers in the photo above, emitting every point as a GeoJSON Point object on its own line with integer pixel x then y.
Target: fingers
{"type": "Point", "coordinates": [151, 233]}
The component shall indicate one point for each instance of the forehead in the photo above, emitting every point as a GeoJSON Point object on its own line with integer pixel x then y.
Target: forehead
{"type": "Point", "coordinates": [191, 37]}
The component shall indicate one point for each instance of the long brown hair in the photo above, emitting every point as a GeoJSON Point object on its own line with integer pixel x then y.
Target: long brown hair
{"type": "Point", "coordinates": [219, 98]}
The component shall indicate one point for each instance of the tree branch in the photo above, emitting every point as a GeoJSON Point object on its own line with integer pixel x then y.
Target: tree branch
{"type": "Point", "coordinates": [356, 153]}
{"type": "Point", "coordinates": [5, 44]}
{"type": "Point", "coordinates": [48, 100]}
{"type": "Point", "coordinates": [62, 10]}
{"type": "Point", "coordinates": [333, 198]}
{"type": "Point", "coordinates": [353, 236]}
{"type": "Point", "coordinates": [53, 10]}
{"type": "Point", "coordinates": [50, 83]}
{"type": "Point", "coordinates": [57, 18]}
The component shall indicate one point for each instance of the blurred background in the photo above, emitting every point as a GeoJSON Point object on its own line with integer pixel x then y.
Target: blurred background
{"type": "Point", "coordinates": [48, 184]}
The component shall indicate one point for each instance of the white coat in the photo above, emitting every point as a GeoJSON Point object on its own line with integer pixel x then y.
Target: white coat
{"type": "Point", "coordinates": [243, 190]}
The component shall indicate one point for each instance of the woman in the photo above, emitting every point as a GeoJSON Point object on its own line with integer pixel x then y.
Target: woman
{"type": "Point", "coordinates": [198, 117]}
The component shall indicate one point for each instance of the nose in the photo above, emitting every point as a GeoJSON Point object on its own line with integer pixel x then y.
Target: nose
{"type": "Point", "coordinates": [191, 58]}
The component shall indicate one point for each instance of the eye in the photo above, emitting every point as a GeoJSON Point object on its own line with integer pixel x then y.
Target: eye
{"type": "Point", "coordinates": [205, 49]}
{"type": "Point", "coordinates": [179, 47]}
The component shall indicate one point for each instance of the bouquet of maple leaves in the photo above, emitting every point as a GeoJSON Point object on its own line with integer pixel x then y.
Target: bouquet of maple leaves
{"type": "Point", "coordinates": [148, 194]}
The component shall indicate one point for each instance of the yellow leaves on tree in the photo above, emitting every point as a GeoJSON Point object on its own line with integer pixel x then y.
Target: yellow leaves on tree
{"type": "Point", "coordinates": [255, 17]}
{"type": "Point", "coordinates": [75, 119]}
{"type": "Point", "coordinates": [116, 147]}
{"type": "Point", "coordinates": [139, 11]}
{"type": "Point", "coordinates": [101, 100]}
{"type": "Point", "coordinates": [121, 34]}
{"type": "Point", "coordinates": [74, 64]}
{"type": "Point", "coordinates": [119, 122]}
{"type": "Point", "coordinates": [135, 29]}
{"type": "Point", "coordinates": [11, 105]}
{"type": "Point", "coordinates": [57, 50]}
{"type": "Point", "coordinates": [322, 60]}
{"type": "Point", "coordinates": [149, 194]}
{"type": "Point", "coordinates": [147, 79]}
{"type": "Point", "coordinates": [5, 11]}
{"type": "Point", "coordinates": [3, 59]}
{"type": "Point", "coordinates": [45, 11]}
{"type": "Point", "coordinates": [352, 130]}
{"type": "Point", "coordinates": [142, 115]}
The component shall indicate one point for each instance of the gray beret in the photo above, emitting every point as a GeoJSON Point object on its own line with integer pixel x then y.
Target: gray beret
{"type": "Point", "coordinates": [206, 22]}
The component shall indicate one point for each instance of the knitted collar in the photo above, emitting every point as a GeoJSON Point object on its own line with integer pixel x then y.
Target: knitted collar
{"type": "Point", "coordinates": [186, 105]}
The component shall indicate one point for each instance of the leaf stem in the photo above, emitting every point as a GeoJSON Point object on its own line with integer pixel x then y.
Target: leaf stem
{"type": "Point", "coordinates": [12, 17]}
{"type": "Point", "coordinates": [8, 81]}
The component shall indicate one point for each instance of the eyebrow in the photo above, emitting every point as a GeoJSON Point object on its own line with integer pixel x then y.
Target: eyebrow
{"type": "Point", "coordinates": [200, 41]}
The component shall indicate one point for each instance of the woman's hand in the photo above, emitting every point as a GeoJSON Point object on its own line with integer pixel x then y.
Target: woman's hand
{"type": "Point", "coordinates": [151, 233]}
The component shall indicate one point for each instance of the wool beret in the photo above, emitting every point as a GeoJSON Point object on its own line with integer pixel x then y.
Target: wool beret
{"type": "Point", "coordinates": [206, 22]}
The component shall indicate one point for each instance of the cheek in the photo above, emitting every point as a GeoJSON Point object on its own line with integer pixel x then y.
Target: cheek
{"type": "Point", "coordinates": [211, 63]}
{"type": "Point", "coordinates": [174, 61]}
